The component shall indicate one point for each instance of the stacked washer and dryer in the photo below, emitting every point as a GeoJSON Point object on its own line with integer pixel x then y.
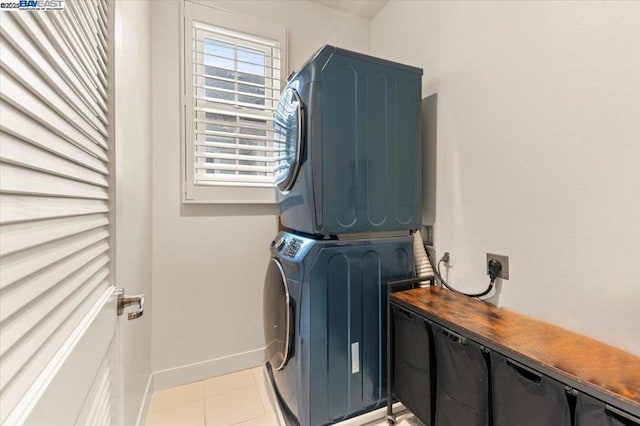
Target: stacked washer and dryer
{"type": "Point", "coordinates": [348, 174]}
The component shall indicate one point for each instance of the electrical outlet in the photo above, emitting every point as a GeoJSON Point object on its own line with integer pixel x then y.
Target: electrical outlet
{"type": "Point", "coordinates": [504, 261]}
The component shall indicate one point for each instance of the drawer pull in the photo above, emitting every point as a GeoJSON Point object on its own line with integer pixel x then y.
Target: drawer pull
{"type": "Point", "coordinates": [407, 315]}
{"type": "Point", "coordinates": [525, 372]}
{"type": "Point", "coordinates": [454, 337]}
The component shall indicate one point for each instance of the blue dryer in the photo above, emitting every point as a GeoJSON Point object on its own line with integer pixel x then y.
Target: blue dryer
{"type": "Point", "coordinates": [348, 145]}
{"type": "Point", "coordinates": [325, 322]}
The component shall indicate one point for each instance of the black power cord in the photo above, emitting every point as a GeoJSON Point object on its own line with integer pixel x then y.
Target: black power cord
{"type": "Point", "coordinates": [494, 268]}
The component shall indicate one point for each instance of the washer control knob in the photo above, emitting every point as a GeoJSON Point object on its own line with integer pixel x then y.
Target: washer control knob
{"type": "Point", "coordinates": [280, 243]}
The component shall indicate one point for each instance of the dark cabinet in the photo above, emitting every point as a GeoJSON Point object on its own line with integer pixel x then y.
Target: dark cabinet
{"type": "Point", "coordinates": [461, 362]}
{"type": "Point", "coordinates": [462, 380]}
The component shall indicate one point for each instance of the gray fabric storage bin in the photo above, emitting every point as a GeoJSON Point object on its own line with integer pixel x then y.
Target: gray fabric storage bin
{"type": "Point", "coordinates": [412, 364]}
{"type": "Point", "coordinates": [592, 412]}
{"type": "Point", "coordinates": [523, 397]}
{"type": "Point", "coordinates": [462, 380]}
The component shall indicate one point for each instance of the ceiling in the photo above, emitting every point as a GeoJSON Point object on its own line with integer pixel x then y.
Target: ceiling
{"type": "Point", "coordinates": [363, 8]}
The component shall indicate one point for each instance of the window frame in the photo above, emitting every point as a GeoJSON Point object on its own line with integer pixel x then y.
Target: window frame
{"type": "Point", "coordinates": [219, 194]}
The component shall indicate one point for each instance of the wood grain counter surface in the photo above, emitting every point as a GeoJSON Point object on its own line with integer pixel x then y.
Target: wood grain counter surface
{"type": "Point", "coordinates": [585, 364]}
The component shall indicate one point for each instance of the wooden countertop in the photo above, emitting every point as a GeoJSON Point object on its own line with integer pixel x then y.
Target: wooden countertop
{"type": "Point", "coordinates": [586, 364]}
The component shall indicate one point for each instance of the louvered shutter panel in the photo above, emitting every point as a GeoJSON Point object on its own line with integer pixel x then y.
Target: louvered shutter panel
{"type": "Point", "coordinates": [236, 85]}
{"type": "Point", "coordinates": [54, 183]}
{"type": "Point", "coordinates": [96, 410]}
{"type": "Point", "coordinates": [232, 82]}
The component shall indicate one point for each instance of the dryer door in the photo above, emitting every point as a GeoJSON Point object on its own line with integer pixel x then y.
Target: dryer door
{"type": "Point", "coordinates": [288, 139]}
{"type": "Point", "coordinates": [278, 316]}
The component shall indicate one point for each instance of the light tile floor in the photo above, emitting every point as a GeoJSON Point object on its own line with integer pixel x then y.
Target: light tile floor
{"type": "Point", "coordinates": [233, 399]}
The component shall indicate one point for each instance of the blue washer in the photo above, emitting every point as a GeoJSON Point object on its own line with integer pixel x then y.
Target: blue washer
{"type": "Point", "coordinates": [325, 323]}
{"type": "Point", "coordinates": [348, 145]}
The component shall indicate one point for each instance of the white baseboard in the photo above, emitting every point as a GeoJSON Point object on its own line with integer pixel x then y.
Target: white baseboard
{"type": "Point", "coordinates": [146, 399]}
{"type": "Point", "coordinates": [189, 373]}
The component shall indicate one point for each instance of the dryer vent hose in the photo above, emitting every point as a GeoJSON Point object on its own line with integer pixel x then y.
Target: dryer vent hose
{"type": "Point", "coordinates": [422, 264]}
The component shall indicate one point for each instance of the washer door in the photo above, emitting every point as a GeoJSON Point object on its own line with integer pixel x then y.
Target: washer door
{"type": "Point", "coordinates": [288, 139]}
{"type": "Point", "coordinates": [278, 316]}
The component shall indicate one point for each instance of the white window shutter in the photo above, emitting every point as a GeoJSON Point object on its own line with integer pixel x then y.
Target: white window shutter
{"type": "Point", "coordinates": [233, 80]}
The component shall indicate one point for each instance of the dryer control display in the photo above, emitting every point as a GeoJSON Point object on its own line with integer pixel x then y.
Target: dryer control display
{"type": "Point", "coordinates": [292, 247]}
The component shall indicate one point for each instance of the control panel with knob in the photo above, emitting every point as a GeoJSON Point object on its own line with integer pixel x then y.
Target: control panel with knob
{"type": "Point", "coordinates": [280, 243]}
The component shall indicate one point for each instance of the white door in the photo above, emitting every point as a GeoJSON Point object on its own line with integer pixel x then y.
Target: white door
{"type": "Point", "coordinates": [58, 339]}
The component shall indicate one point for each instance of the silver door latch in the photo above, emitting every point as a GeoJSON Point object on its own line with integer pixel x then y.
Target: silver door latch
{"type": "Point", "coordinates": [125, 300]}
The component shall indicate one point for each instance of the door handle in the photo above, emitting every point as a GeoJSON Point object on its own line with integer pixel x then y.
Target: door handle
{"type": "Point", "coordinates": [124, 300]}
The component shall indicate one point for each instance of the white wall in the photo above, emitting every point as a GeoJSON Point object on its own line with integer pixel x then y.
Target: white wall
{"type": "Point", "coordinates": [538, 150]}
{"type": "Point", "coordinates": [133, 214]}
{"type": "Point", "coordinates": [209, 260]}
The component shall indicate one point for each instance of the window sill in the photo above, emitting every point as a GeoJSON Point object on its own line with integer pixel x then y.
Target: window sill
{"type": "Point", "coordinates": [232, 202]}
{"type": "Point", "coordinates": [201, 194]}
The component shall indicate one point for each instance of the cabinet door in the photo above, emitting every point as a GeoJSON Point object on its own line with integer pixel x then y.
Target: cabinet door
{"type": "Point", "coordinates": [413, 376]}
{"type": "Point", "coordinates": [524, 397]}
{"type": "Point", "coordinates": [463, 380]}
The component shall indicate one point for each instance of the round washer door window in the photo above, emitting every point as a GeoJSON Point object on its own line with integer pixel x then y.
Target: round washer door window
{"type": "Point", "coordinates": [288, 139]}
{"type": "Point", "coordinates": [277, 316]}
